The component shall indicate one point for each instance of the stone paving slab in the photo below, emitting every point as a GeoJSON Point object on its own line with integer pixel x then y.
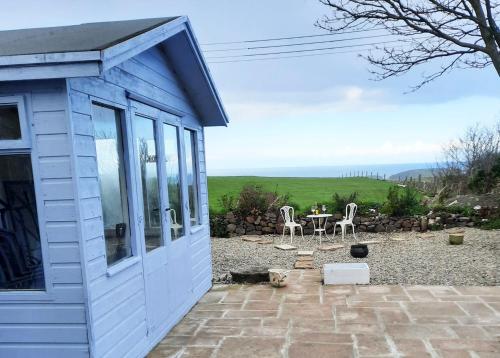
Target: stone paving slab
{"type": "Point", "coordinates": [306, 319]}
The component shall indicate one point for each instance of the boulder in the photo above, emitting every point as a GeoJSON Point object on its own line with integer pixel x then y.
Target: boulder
{"type": "Point", "coordinates": [254, 274]}
{"type": "Point", "coordinates": [250, 219]}
{"type": "Point", "coordinates": [230, 228]}
{"type": "Point", "coordinates": [379, 228]}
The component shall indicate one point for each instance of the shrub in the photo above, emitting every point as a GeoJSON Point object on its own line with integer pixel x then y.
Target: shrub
{"type": "Point", "coordinates": [218, 226]}
{"type": "Point", "coordinates": [340, 202]}
{"type": "Point", "coordinates": [493, 224]}
{"type": "Point", "coordinates": [228, 203]}
{"type": "Point", "coordinates": [253, 200]}
{"type": "Point", "coordinates": [402, 202]}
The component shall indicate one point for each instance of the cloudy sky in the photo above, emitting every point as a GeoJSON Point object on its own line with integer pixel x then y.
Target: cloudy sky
{"type": "Point", "coordinates": [298, 111]}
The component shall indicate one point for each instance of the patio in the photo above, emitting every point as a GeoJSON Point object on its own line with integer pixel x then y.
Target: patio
{"type": "Point", "coordinates": [307, 319]}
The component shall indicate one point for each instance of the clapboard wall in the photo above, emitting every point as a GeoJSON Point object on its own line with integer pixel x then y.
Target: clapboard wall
{"type": "Point", "coordinates": [116, 297]}
{"type": "Point", "coordinates": [55, 325]}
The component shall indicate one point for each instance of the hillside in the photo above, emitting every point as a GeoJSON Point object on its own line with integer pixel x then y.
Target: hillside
{"type": "Point", "coordinates": [304, 191]}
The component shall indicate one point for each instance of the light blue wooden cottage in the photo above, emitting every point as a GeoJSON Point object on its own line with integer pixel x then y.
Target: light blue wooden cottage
{"type": "Point", "coordinates": [104, 234]}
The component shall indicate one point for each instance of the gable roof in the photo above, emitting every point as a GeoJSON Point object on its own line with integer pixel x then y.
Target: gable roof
{"type": "Point", "coordinates": [75, 38]}
{"type": "Point", "coordinates": [90, 49]}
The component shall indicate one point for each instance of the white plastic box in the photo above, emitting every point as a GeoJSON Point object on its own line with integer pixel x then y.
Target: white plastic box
{"type": "Point", "coordinates": [346, 274]}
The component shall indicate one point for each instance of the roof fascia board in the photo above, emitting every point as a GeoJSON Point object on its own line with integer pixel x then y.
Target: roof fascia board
{"type": "Point", "coordinates": [44, 58]}
{"type": "Point", "coordinates": [50, 71]}
{"type": "Point", "coordinates": [206, 72]}
{"type": "Point", "coordinates": [123, 51]}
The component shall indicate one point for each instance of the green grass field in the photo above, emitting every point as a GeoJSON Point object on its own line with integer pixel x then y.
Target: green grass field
{"type": "Point", "coordinates": [304, 191]}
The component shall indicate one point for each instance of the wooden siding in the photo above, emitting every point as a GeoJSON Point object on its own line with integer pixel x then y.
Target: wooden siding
{"type": "Point", "coordinates": [117, 301]}
{"type": "Point", "coordinates": [55, 326]}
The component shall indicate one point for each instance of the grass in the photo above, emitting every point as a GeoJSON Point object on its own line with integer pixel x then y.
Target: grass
{"type": "Point", "coordinates": [304, 191]}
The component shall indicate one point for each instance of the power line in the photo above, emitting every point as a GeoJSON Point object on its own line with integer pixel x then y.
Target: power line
{"type": "Point", "coordinates": [295, 56]}
{"type": "Point", "coordinates": [291, 37]}
{"type": "Point", "coordinates": [297, 44]}
{"type": "Point", "coordinates": [304, 50]}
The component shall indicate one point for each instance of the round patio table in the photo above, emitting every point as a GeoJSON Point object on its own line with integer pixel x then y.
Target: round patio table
{"type": "Point", "coordinates": [321, 228]}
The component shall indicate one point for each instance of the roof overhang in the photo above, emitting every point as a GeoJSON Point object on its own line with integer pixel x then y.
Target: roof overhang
{"type": "Point", "coordinates": [178, 41]}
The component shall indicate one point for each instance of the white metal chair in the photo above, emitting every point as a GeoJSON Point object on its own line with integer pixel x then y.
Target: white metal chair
{"type": "Point", "coordinates": [173, 223]}
{"type": "Point", "coordinates": [287, 213]}
{"type": "Point", "coordinates": [350, 211]}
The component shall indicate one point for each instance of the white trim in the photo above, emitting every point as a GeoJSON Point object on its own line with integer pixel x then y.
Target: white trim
{"type": "Point", "coordinates": [45, 294]}
{"type": "Point", "coordinates": [56, 57]}
{"type": "Point", "coordinates": [24, 142]}
{"type": "Point", "coordinates": [152, 103]}
{"type": "Point", "coordinates": [121, 52]}
{"type": "Point", "coordinates": [48, 71]}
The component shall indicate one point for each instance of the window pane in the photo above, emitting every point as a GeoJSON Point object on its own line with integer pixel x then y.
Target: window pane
{"type": "Point", "coordinates": [173, 180]}
{"type": "Point", "coordinates": [113, 185]}
{"type": "Point", "coordinates": [146, 150]}
{"type": "Point", "coordinates": [192, 176]}
{"type": "Point", "coordinates": [21, 266]}
{"type": "Point", "coordinates": [9, 123]}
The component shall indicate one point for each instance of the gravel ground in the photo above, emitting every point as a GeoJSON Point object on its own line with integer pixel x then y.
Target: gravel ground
{"type": "Point", "coordinates": [416, 260]}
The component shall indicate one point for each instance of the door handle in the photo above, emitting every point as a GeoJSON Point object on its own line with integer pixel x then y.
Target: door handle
{"type": "Point", "coordinates": [168, 209]}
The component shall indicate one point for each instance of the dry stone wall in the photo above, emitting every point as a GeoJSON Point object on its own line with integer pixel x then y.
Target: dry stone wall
{"type": "Point", "coordinates": [232, 224]}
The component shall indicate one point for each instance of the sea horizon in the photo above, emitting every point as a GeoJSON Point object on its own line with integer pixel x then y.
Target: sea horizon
{"type": "Point", "coordinates": [327, 171]}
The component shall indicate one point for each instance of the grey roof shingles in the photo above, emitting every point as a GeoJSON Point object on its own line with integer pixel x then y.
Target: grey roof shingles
{"type": "Point", "coordinates": [85, 37]}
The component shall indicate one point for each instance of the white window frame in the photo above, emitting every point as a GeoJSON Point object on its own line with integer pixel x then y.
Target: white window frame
{"type": "Point", "coordinates": [134, 257]}
{"type": "Point", "coordinates": [25, 141]}
{"type": "Point", "coordinates": [25, 146]}
{"type": "Point", "coordinates": [196, 159]}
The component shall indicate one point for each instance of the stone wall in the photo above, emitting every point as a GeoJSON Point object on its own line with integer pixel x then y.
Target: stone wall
{"type": "Point", "coordinates": [271, 223]}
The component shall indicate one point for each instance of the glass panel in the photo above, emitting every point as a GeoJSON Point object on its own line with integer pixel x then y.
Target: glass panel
{"type": "Point", "coordinates": [146, 150]}
{"type": "Point", "coordinates": [21, 266]}
{"type": "Point", "coordinates": [9, 123]}
{"type": "Point", "coordinates": [192, 176]}
{"type": "Point", "coordinates": [172, 165]}
{"type": "Point", "coordinates": [113, 185]}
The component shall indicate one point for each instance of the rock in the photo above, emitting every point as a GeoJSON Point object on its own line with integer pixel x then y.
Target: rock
{"type": "Point", "coordinates": [251, 238]}
{"type": "Point", "coordinates": [250, 227]}
{"type": "Point", "coordinates": [230, 228]}
{"type": "Point", "coordinates": [338, 216]}
{"type": "Point", "coordinates": [370, 242]}
{"type": "Point", "coordinates": [330, 247]}
{"type": "Point", "coordinates": [379, 228]}
{"type": "Point", "coordinates": [265, 242]}
{"type": "Point", "coordinates": [463, 218]}
{"type": "Point", "coordinates": [285, 247]}
{"type": "Point", "coordinates": [267, 230]}
{"type": "Point", "coordinates": [424, 223]}
{"type": "Point", "coordinates": [254, 274]}
{"type": "Point", "coordinates": [240, 231]}
{"type": "Point", "coordinates": [304, 265]}
{"type": "Point", "coordinates": [305, 252]}
{"type": "Point", "coordinates": [250, 219]}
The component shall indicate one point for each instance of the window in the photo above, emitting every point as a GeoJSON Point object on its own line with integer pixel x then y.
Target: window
{"type": "Point", "coordinates": [10, 127]}
{"type": "Point", "coordinates": [21, 263]}
{"type": "Point", "coordinates": [112, 182]}
{"type": "Point", "coordinates": [145, 134]}
{"type": "Point", "coordinates": [172, 165]}
{"type": "Point", "coordinates": [192, 176]}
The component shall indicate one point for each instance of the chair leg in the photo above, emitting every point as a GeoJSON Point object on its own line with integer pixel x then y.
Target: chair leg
{"type": "Point", "coordinates": [301, 232]}
{"type": "Point", "coordinates": [343, 231]}
{"type": "Point", "coordinates": [353, 233]}
{"type": "Point", "coordinates": [283, 236]}
{"type": "Point", "coordinates": [292, 231]}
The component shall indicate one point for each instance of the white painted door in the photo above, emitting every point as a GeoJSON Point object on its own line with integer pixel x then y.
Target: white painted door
{"type": "Point", "coordinates": [164, 242]}
{"type": "Point", "coordinates": [179, 265]}
{"type": "Point", "coordinates": [153, 216]}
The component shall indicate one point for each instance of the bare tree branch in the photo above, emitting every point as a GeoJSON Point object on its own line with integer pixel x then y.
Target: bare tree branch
{"type": "Point", "coordinates": [462, 33]}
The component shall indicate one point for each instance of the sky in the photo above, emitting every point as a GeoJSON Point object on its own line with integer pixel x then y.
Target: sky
{"type": "Point", "coordinates": [300, 111]}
